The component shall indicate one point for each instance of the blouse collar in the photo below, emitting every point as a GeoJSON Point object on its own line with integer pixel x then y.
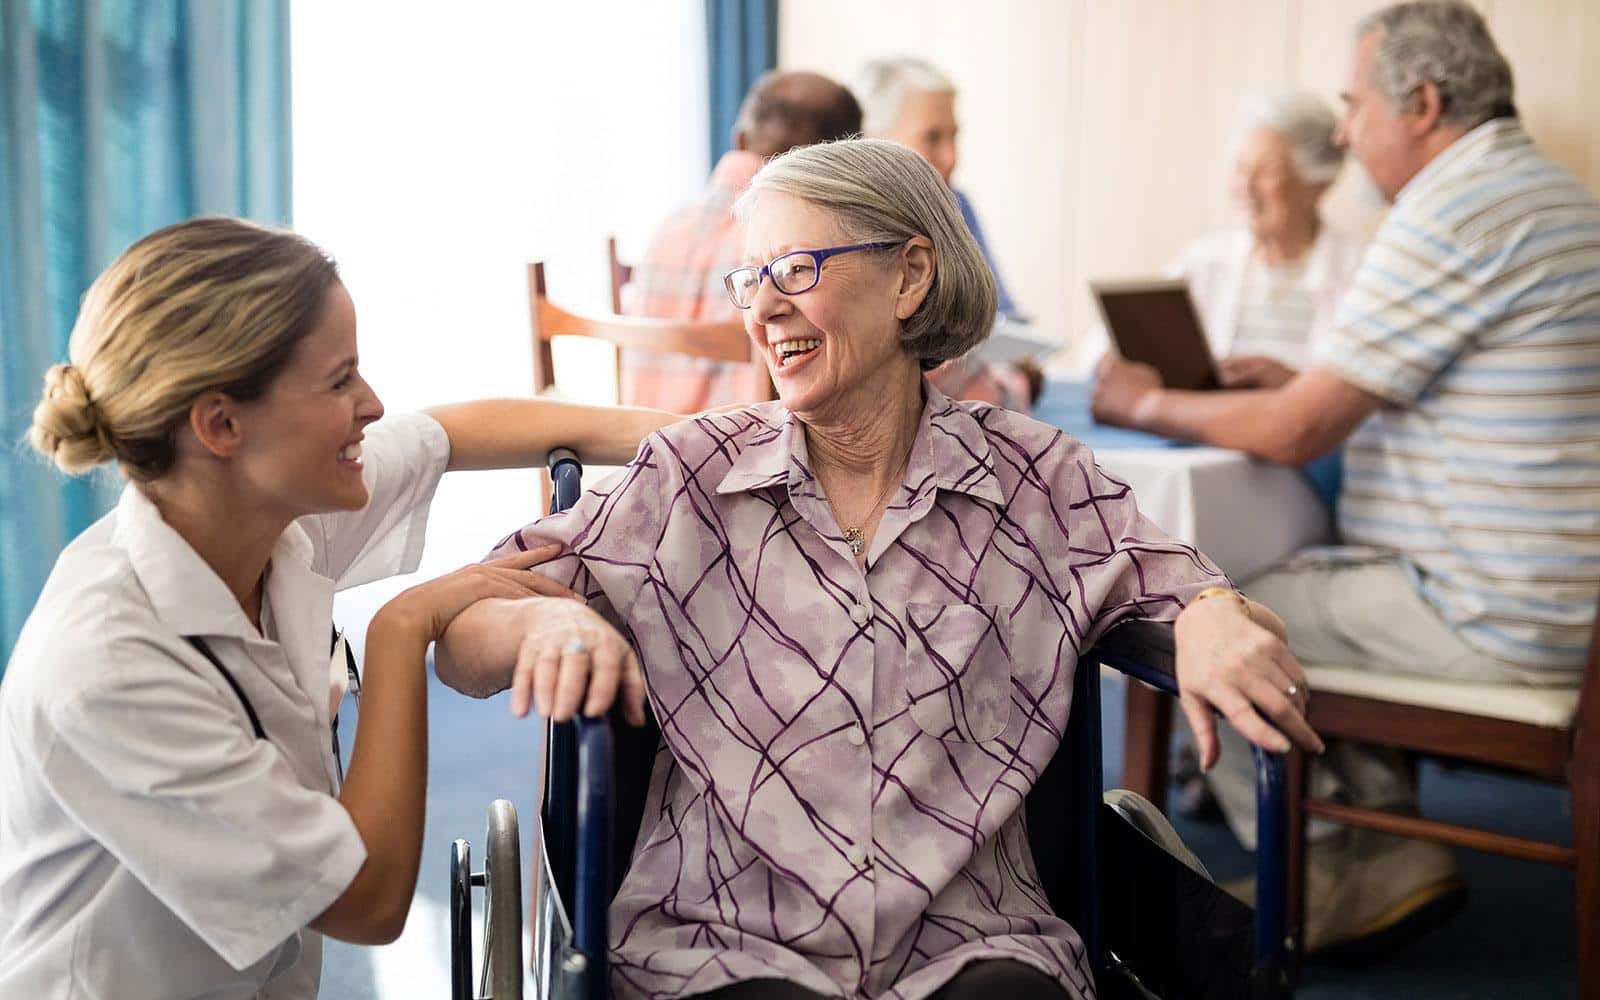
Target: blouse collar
{"type": "Point", "coordinates": [950, 452]}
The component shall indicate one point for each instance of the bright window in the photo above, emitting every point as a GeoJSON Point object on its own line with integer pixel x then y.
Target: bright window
{"type": "Point", "coordinates": [438, 148]}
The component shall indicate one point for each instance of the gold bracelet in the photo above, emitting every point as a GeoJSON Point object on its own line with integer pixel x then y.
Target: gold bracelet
{"type": "Point", "coordinates": [1244, 602]}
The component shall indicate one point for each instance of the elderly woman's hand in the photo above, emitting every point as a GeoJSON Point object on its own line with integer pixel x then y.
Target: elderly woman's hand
{"type": "Point", "coordinates": [1123, 391]}
{"type": "Point", "coordinates": [570, 655]}
{"type": "Point", "coordinates": [1230, 663]}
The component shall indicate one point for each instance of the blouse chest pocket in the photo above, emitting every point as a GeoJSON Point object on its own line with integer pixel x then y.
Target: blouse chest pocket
{"type": "Point", "coordinates": [958, 669]}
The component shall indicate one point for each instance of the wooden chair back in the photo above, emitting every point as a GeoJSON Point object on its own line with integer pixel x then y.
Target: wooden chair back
{"type": "Point", "coordinates": [620, 273]}
{"type": "Point", "coordinates": [713, 341]}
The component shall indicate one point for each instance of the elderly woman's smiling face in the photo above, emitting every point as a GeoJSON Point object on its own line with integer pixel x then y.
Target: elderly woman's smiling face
{"type": "Point", "coordinates": [836, 345]}
{"type": "Point", "coordinates": [1268, 187]}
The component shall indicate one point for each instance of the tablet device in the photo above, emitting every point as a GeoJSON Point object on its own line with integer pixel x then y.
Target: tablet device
{"type": "Point", "coordinates": [1154, 321]}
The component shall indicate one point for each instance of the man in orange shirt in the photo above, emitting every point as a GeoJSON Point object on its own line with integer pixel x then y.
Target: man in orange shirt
{"type": "Point", "coordinates": [680, 276]}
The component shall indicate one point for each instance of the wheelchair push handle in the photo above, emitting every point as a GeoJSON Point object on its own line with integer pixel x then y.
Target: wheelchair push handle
{"type": "Point", "coordinates": [566, 477]}
{"type": "Point", "coordinates": [559, 455]}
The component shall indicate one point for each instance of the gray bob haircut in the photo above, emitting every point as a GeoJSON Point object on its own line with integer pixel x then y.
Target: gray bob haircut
{"type": "Point", "coordinates": [1447, 42]}
{"type": "Point", "coordinates": [1306, 122]}
{"type": "Point", "coordinates": [882, 191]}
{"type": "Point", "coordinates": [884, 84]}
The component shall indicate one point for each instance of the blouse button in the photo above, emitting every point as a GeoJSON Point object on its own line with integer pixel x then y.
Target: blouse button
{"type": "Point", "coordinates": [856, 855]}
{"type": "Point", "coordinates": [855, 736]}
{"type": "Point", "coordinates": [860, 614]}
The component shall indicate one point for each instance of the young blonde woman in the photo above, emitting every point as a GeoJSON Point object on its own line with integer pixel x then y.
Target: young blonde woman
{"type": "Point", "coordinates": [175, 823]}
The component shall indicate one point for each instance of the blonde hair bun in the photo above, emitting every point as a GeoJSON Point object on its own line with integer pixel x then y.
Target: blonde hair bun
{"type": "Point", "coordinates": [66, 427]}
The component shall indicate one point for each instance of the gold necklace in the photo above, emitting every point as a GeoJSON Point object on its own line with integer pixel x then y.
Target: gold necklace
{"type": "Point", "coordinates": [854, 537]}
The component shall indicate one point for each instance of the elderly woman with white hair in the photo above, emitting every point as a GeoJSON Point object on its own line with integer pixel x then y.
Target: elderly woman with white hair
{"type": "Point", "coordinates": [910, 101]}
{"type": "Point", "coordinates": [857, 611]}
{"type": "Point", "coordinates": [1269, 289]}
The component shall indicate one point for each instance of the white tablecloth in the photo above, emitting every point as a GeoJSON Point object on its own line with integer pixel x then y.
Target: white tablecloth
{"type": "Point", "coordinates": [1246, 515]}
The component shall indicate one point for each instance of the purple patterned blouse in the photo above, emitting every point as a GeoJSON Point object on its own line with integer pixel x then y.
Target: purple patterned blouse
{"type": "Point", "coordinates": [845, 752]}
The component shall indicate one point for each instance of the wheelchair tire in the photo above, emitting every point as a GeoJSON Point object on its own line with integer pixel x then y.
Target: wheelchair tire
{"type": "Point", "coordinates": [460, 921]}
{"type": "Point", "coordinates": [502, 879]}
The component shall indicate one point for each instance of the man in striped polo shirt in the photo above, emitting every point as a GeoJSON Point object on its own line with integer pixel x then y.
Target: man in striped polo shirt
{"type": "Point", "coordinates": [1461, 378]}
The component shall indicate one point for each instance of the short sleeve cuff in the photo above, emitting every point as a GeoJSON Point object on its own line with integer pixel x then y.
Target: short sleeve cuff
{"type": "Point", "coordinates": [322, 886]}
{"type": "Point", "coordinates": [436, 446]}
{"type": "Point", "coordinates": [1354, 364]}
{"type": "Point", "coordinates": [409, 453]}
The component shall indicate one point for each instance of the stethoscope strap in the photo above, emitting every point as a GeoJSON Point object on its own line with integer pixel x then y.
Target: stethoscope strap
{"type": "Point", "coordinates": [249, 709]}
{"type": "Point", "coordinates": [354, 689]}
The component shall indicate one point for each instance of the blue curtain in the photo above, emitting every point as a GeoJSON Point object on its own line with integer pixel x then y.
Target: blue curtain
{"type": "Point", "coordinates": [741, 44]}
{"type": "Point", "coordinates": [117, 117]}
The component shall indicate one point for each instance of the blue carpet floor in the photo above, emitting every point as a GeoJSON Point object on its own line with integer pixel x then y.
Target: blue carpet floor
{"type": "Point", "coordinates": [1514, 939]}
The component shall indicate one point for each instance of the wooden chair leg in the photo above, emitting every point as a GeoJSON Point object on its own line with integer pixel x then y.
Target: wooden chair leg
{"type": "Point", "coordinates": [1146, 741]}
{"type": "Point", "coordinates": [1585, 789]}
{"type": "Point", "coordinates": [1299, 783]}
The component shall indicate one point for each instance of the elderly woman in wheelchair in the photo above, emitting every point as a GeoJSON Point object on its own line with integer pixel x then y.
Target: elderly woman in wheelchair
{"type": "Point", "coordinates": [857, 612]}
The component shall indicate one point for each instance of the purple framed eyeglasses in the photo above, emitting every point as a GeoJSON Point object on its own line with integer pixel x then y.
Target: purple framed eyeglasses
{"type": "Point", "coordinates": [795, 272]}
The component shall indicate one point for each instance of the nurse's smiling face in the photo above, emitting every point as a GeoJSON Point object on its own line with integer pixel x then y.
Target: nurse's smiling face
{"type": "Point", "coordinates": [301, 448]}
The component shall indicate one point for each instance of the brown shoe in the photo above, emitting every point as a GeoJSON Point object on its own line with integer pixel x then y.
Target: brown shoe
{"type": "Point", "coordinates": [1368, 894]}
{"type": "Point", "coordinates": [1385, 892]}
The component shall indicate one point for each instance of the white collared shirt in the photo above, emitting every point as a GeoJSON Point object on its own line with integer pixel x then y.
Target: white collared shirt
{"type": "Point", "coordinates": [1218, 267]}
{"type": "Point", "coordinates": [150, 845]}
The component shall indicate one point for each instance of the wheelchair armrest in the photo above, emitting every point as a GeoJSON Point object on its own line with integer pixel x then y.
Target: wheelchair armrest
{"type": "Point", "coordinates": [1141, 649]}
{"type": "Point", "coordinates": [1273, 951]}
{"type": "Point", "coordinates": [1144, 650]}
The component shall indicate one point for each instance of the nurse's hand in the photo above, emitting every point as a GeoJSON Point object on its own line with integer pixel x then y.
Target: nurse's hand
{"type": "Point", "coordinates": [1231, 658]}
{"type": "Point", "coordinates": [571, 656]}
{"type": "Point", "coordinates": [428, 608]}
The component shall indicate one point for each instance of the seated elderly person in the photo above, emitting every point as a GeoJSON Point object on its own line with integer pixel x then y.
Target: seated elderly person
{"type": "Point", "coordinates": [911, 102]}
{"type": "Point", "coordinates": [1268, 290]}
{"type": "Point", "coordinates": [1459, 377]}
{"type": "Point", "coordinates": [857, 611]}
{"type": "Point", "coordinates": [680, 275]}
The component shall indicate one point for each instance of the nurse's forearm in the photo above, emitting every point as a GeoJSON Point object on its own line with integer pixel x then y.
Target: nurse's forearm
{"type": "Point", "coordinates": [386, 788]}
{"type": "Point", "coordinates": [519, 433]}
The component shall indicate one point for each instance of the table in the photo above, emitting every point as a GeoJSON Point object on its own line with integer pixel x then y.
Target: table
{"type": "Point", "coordinates": [1245, 514]}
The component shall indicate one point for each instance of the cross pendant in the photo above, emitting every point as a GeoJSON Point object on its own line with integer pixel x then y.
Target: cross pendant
{"type": "Point", "coordinates": [852, 538]}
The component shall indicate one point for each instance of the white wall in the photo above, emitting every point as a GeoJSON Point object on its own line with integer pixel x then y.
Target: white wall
{"type": "Point", "coordinates": [1093, 130]}
{"type": "Point", "coordinates": [437, 148]}
{"type": "Point", "coordinates": [1016, 75]}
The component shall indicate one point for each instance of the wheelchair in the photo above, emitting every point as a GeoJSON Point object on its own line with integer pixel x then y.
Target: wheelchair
{"type": "Point", "coordinates": [1153, 922]}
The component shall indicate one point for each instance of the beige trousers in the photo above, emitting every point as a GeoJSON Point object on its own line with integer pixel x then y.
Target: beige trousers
{"type": "Point", "coordinates": [1364, 614]}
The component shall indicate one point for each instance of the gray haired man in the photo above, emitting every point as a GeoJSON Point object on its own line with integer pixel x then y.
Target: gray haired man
{"type": "Point", "coordinates": [1458, 379]}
